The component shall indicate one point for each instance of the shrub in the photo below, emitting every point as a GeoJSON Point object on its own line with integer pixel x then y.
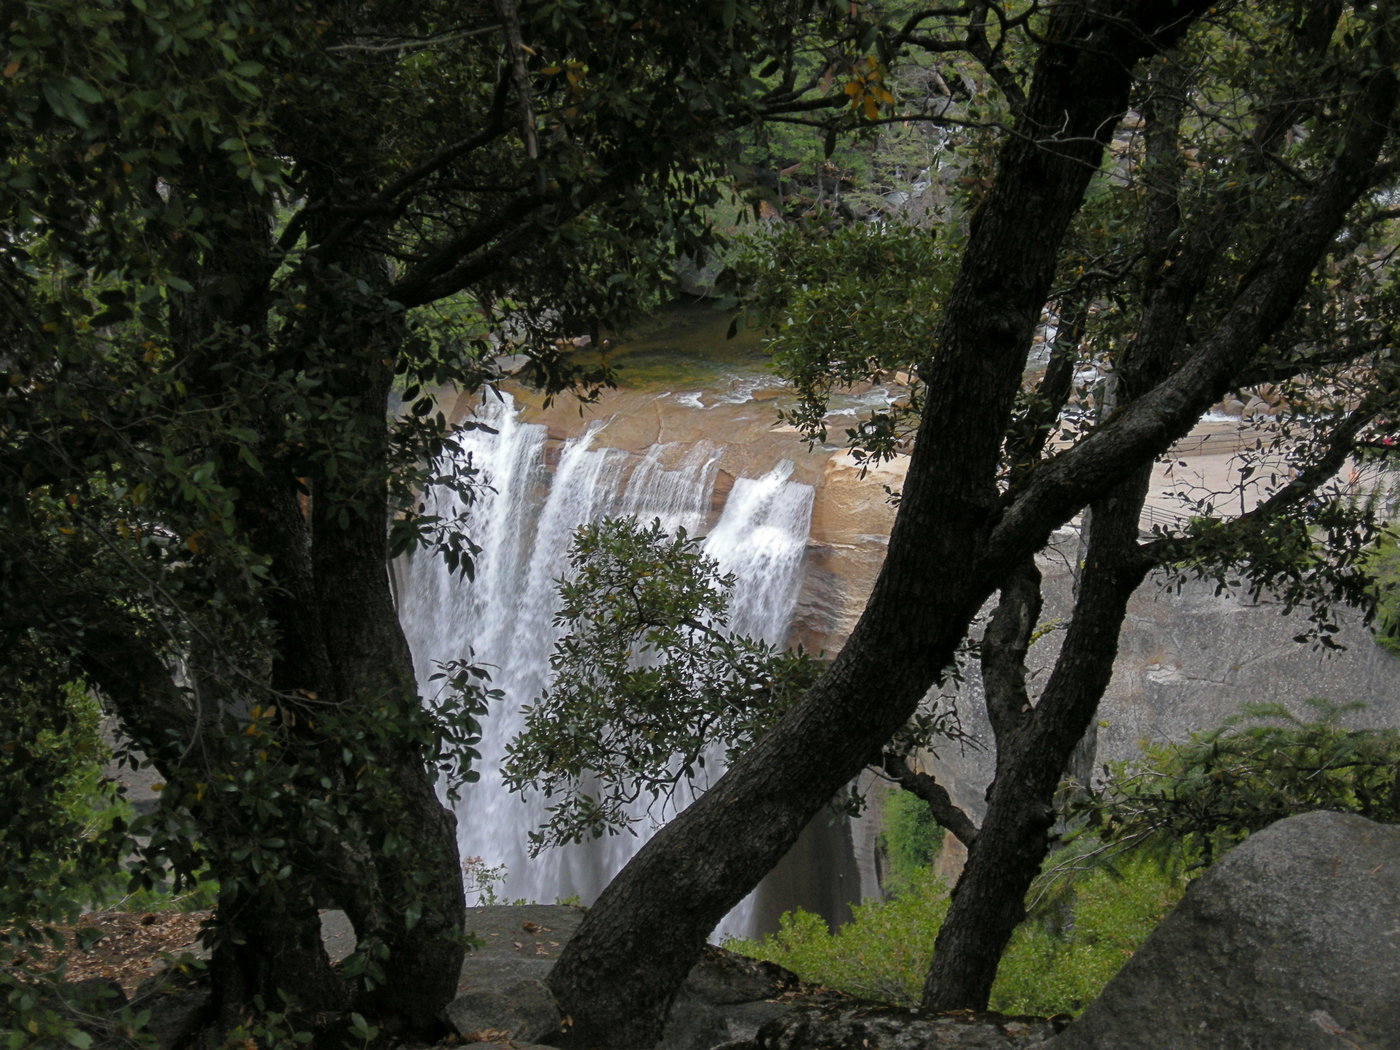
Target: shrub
{"type": "Point", "coordinates": [881, 954]}
{"type": "Point", "coordinates": [60, 836]}
{"type": "Point", "coordinates": [1211, 792]}
{"type": "Point", "coordinates": [1384, 568]}
{"type": "Point", "coordinates": [911, 838]}
{"type": "Point", "coordinates": [1077, 938]}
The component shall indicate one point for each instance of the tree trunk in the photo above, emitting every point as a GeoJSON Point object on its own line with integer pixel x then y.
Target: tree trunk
{"type": "Point", "coordinates": [334, 654]}
{"type": "Point", "coordinates": [988, 901]}
{"type": "Point", "coordinates": [955, 538]}
{"type": "Point", "coordinates": [410, 897]}
{"type": "Point", "coordinates": [616, 977]}
{"type": "Point", "coordinates": [1035, 747]}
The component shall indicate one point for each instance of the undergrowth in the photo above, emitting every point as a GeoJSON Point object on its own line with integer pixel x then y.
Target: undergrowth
{"type": "Point", "coordinates": [1084, 926]}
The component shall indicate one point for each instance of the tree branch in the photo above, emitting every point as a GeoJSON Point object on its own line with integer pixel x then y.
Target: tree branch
{"type": "Point", "coordinates": [1167, 411]}
{"type": "Point", "coordinates": [940, 803]}
{"type": "Point", "coordinates": [1004, 646]}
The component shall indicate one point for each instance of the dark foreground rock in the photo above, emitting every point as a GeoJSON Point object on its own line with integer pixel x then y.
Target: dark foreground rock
{"type": "Point", "coordinates": [1292, 940]}
{"type": "Point", "coordinates": [501, 996]}
{"type": "Point", "coordinates": [862, 1026]}
{"type": "Point", "coordinates": [728, 1001]}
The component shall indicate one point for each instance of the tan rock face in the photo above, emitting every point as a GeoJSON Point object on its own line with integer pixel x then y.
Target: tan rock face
{"type": "Point", "coordinates": [851, 521]}
{"type": "Point", "coordinates": [851, 516]}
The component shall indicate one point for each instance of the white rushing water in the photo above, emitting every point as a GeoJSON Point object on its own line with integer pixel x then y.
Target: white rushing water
{"type": "Point", "coordinates": [505, 615]}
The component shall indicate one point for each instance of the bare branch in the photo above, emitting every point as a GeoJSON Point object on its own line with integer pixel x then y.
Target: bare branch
{"type": "Point", "coordinates": [421, 43]}
{"type": "Point", "coordinates": [925, 787]}
{"type": "Point", "coordinates": [515, 57]}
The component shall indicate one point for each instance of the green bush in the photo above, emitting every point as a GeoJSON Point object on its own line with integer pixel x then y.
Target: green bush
{"type": "Point", "coordinates": [881, 954]}
{"type": "Point", "coordinates": [1207, 794]}
{"type": "Point", "coordinates": [911, 838]}
{"type": "Point", "coordinates": [1074, 942]}
{"type": "Point", "coordinates": [1077, 938]}
{"type": "Point", "coordinates": [60, 836]}
{"type": "Point", "coordinates": [1384, 568]}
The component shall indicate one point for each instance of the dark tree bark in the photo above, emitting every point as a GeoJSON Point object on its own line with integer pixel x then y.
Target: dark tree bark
{"type": "Point", "coordinates": [1035, 744]}
{"type": "Point", "coordinates": [334, 644]}
{"type": "Point", "coordinates": [1037, 741]}
{"type": "Point", "coordinates": [407, 890]}
{"type": "Point", "coordinates": [956, 538]}
{"type": "Point", "coordinates": [932, 793]}
{"type": "Point", "coordinates": [617, 976]}
{"type": "Point", "coordinates": [1031, 756]}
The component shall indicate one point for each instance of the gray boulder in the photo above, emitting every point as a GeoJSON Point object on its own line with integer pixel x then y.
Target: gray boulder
{"type": "Point", "coordinates": [1292, 940]}
{"type": "Point", "coordinates": [725, 999]}
{"type": "Point", "coordinates": [521, 1010]}
{"type": "Point", "coordinates": [179, 1002]}
{"type": "Point", "coordinates": [501, 991]}
{"type": "Point", "coordinates": [501, 994]}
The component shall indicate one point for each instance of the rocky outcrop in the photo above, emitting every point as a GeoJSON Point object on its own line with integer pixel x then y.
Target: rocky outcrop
{"type": "Point", "coordinates": [1292, 940]}
{"type": "Point", "coordinates": [522, 1010]}
{"type": "Point", "coordinates": [1188, 660]}
{"type": "Point", "coordinates": [728, 1002]}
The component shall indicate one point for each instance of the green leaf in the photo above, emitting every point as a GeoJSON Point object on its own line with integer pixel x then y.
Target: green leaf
{"type": "Point", "coordinates": [83, 90]}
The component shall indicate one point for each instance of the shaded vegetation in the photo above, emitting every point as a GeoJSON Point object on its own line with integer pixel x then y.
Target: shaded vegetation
{"type": "Point", "coordinates": [1076, 938]}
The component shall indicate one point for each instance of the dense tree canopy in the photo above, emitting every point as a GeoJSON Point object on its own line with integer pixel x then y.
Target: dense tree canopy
{"type": "Point", "coordinates": [235, 235]}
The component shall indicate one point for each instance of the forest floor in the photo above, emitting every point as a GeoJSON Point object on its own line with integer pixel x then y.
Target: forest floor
{"type": "Point", "coordinates": [123, 946]}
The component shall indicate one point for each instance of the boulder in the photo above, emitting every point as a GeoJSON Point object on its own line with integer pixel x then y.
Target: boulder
{"type": "Point", "coordinates": [726, 999]}
{"type": "Point", "coordinates": [1292, 940]}
{"type": "Point", "coordinates": [521, 1010]}
{"type": "Point", "coordinates": [502, 997]}
{"type": "Point", "coordinates": [179, 1002]}
{"type": "Point", "coordinates": [515, 942]}
{"type": "Point", "coordinates": [501, 992]}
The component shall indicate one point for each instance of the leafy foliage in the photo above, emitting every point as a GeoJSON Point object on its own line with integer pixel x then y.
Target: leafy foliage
{"type": "Point", "coordinates": [1384, 568]}
{"type": "Point", "coordinates": [648, 681]}
{"type": "Point", "coordinates": [1057, 962]}
{"type": "Point", "coordinates": [1074, 943]}
{"type": "Point", "coordinates": [1211, 792]}
{"type": "Point", "coordinates": [881, 954]}
{"type": "Point", "coordinates": [231, 229]}
{"type": "Point", "coordinates": [847, 307]}
{"type": "Point", "coordinates": [56, 834]}
{"type": "Point", "coordinates": [911, 838]}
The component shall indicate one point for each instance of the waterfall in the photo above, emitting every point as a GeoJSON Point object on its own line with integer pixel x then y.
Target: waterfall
{"type": "Point", "coordinates": [523, 524]}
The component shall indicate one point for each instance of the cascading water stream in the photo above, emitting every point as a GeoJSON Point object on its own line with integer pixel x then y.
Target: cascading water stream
{"type": "Point", "coordinates": [504, 617]}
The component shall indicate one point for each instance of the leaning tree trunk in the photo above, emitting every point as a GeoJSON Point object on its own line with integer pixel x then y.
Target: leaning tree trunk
{"type": "Point", "coordinates": [954, 539]}
{"type": "Point", "coordinates": [1036, 744]}
{"type": "Point", "coordinates": [987, 903]}
{"type": "Point", "coordinates": [616, 977]}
